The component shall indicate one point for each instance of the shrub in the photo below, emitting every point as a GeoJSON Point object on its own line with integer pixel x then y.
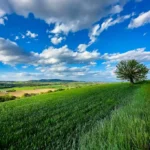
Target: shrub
{"type": "Point", "coordinates": [7, 98]}
{"type": "Point", "coordinates": [26, 95]}
{"type": "Point", "coordinates": [59, 90]}
{"type": "Point", "coordinates": [78, 86]}
{"type": "Point", "coordinates": [49, 91]}
{"type": "Point", "coordinates": [29, 95]}
{"type": "Point", "coordinates": [13, 97]}
{"type": "Point", "coordinates": [12, 90]}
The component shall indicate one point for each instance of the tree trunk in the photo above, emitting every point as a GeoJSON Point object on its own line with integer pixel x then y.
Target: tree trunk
{"type": "Point", "coordinates": [131, 80]}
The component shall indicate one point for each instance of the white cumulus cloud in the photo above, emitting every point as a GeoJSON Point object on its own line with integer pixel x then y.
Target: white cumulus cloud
{"type": "Point", "coordinates": [65, 55]}
{"type": "Point", "coordinates": [139, 54]}
{"type": "Point", "coordinates": [57, 40]}
{"type": "Point", "coordinates": [17, 38]}
{"type": "Point", "coordinates": [141, 20]}
{"type": "Point", "coordinates": [69, 15]}
{"type": "Point", "coordinates": [12, 54]}
{"type": "Point", "coordinates": [31, 35]}
{"type": "Point", "coordinates": [3, 19]}
{"type": "Point", "coordinates": [98, 29]}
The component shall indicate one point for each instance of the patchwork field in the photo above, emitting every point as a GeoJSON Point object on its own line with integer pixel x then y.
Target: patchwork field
{"type": "Point", "coordinates": [19, 89]}
{"type": "Point", "coordinates": [107, 116]}
{"type": "Point", "coordinates": [20, 93]}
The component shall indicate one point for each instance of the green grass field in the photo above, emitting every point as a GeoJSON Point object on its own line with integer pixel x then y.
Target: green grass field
{"type": "Point", "coordinates": [108, 116]}
{"type": "Point", "coordinates": [128, 128]}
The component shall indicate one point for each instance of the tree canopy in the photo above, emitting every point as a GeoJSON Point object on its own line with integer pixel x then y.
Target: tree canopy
{"type": "Point", "coordinates": [131, 70]}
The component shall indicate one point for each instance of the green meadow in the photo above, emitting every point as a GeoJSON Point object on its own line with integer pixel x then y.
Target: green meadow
{"type": "Point", "coordinates": [127, 128]}
{"type": "Point", "coordinates": [108, 116]}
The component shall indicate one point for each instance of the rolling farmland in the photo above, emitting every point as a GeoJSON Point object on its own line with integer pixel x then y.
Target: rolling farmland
{"type": "Point", "coordinates": [75, 75]}
{"type": "Point", "coordinates": [63, 120]}
{"type": "Point", "coordinates": [128, 128]}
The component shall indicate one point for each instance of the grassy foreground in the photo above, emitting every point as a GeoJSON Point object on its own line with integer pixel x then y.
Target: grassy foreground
{"type": "Point", "coordinates": [128, 128]}
{"type": "Point", "coordinates": [57, 120]}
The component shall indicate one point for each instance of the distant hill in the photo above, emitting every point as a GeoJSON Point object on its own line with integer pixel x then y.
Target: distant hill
{"type": "Point", "coordinates": [52, 80]}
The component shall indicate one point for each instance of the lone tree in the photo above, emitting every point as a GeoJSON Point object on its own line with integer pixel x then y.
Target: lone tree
{"type": "Point", "coordinates": [131, 70]}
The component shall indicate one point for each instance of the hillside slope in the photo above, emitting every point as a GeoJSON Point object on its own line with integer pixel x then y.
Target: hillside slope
{"type": "Point", "coordinates": [56, 120]}
{"type": "Point", "coordinates": [128, 128]}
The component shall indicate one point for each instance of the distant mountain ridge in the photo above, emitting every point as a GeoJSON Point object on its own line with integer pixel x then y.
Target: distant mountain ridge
{"type": "Point", "coordinates": [52, 80]}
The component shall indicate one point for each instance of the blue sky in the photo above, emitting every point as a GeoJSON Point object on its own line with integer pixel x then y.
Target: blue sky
{"type": "Point", "coordinates": [67, 39]}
